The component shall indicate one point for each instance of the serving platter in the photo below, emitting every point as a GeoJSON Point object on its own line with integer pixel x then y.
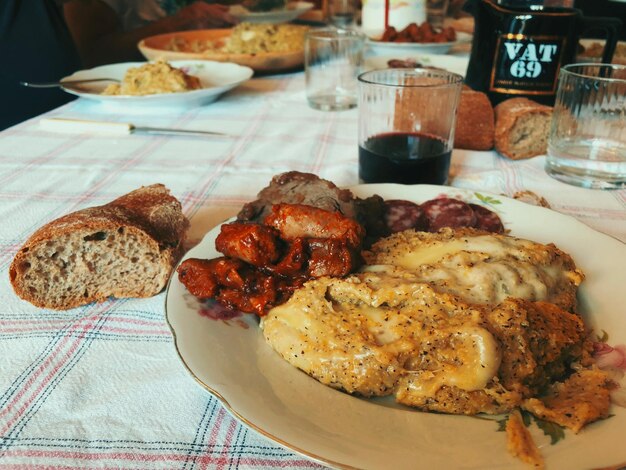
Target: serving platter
{"type": "Point", "coordinates": [216, 78]}
{"type": "Point", "coordinates": [161, 45]}
{"type": "Point", "coordinates": [228, 356]}
{"type": "Point", "coordinates": [291, 11]}
{"type": "Point", "coordinates": [394, 48]}
{"type": "Point", "coordinates": [447, 62]}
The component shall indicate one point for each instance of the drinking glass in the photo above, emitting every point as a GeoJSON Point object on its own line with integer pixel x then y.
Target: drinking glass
{"type": "Point", "coordinates": [406, 125]}
{"type": "Point", "coordinates": [436, 12]}
{"type": "Point", "coordinates": [342, 13]}
{"type": "Point", "coordinates": [332, 62]}
{"type": "Point", "coordinates": [587, 142]}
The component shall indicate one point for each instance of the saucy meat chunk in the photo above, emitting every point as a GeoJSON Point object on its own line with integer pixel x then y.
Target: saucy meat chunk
{"type": "Point", "coordinates": [253, 243]}
{"type": "Point", "coordinates": [203, 277]}
{"type": "Point", "coordinates": [299, 221]}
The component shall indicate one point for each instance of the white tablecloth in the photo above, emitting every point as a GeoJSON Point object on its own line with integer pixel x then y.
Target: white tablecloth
{"type": "Point", "coordinates": [101, 385]}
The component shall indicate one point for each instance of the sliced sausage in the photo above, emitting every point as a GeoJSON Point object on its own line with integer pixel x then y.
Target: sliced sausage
{"type": "Point", "coordinates": [487, 219]}
{"type": "Point", "coordinates": [403, 215]}
{"type": "Point", "coordinates": [447, 212]}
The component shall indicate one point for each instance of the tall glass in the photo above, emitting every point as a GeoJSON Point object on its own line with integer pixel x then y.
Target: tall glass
{"type": "Point", "coordinates": [332, 62]}
{"type": "Point", "coordinates": [342, 13]}
{"type": "Point", "coordinates": [587, 143]}
{"type": "Point", "coordinates": [406, 125]}
{"type": "Point", "coordinates": [436, 12]}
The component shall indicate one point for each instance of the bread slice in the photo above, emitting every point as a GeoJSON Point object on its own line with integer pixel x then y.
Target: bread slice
{"type": "Point", "coordinates": [522, 128]}
{"type": "Point", "coordinates": [126, 248]}
{"type": "Point", "coordinates": [474, 122]}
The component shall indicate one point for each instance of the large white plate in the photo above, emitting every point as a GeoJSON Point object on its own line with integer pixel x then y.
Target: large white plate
{"type": "Point", "coordinates": [447, 62]}
{"type": "Point", "coordinates": [216, 78]}
{"type": "Point", "coordinates": [230, 359]}
{"type": "Point", "coordinates": [154, 47]}
{"type": "Point", "coordinates": [403, 48]}
{"type": "Point", "coordinates": [289, 13]}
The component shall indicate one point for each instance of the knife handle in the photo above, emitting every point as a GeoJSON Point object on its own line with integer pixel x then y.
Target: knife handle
{"type": "Point", "coordinates": [76, 125]}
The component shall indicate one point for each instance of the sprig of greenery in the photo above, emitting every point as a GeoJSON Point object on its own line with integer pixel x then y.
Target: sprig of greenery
{"type": "Point", "coordinates": [552, 430]}
{"type": "Point", "coordinates": [487, 199]}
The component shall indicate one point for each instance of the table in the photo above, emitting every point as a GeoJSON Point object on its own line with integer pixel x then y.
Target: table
{"type": "Point", "coordinates": [101, 385]}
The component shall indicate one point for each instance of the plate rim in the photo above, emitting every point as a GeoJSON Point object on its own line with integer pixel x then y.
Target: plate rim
{"type": "Point", "coordinates": [226, 33]}
{"type": "Point", "coordinates": [247, 72]}
{"type": "Point", "coordinates": [261, 62]}
{"type": "Point", "coordinates": [287, 12]}
{"type": "Point", "coordinates": [224, 401]}
{"type": "Point", "coordinates": [462, 38]}
{"type": "Point", "coordinates": [370, 189]}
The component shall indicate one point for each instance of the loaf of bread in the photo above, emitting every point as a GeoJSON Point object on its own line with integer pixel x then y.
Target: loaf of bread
{"type": "Point", "coordinates": [126, 248]}
{"type": "Point", "coordinates": [522, 128]}
{"type": "Point", "coordinates": [474, 121]}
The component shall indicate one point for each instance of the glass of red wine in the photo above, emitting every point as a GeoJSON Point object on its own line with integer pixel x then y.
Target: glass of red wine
{"type": "Point", "coordinates": [406, 125]}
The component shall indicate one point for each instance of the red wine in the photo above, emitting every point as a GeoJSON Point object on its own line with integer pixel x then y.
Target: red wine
{"type": "Point", "coordinates": [404, 158]}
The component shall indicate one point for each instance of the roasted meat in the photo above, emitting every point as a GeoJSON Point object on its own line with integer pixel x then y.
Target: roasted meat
{"type": "Point", "coordinates": [203, 277]}
{"type": "Point", "coordinates": [307, 189]}
{"type": "Point", "coordinates": [294, 221]}
{"type": "Point", "coordinates": [264, 263]}
{"type": "Point", "coordinates": [331, 257]}
{"type": "Point", "coordinates": [236, 284]}
{"type": "Point", "coordinates": [253, 243]}
{"type": "Point", "coordinates": [295, 187]}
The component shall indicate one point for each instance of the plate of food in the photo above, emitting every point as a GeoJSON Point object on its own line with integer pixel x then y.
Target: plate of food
{"type": "Point", "coordinates": [262, 47]}
{"type": "Point", "coordinates": [417, 39]}
{"type": "Point", "coordinates": [181, 83]}
{"type": "Point", "coordinates": [281, 14]}
{"type": "Point", "coordinates": [345, 370]}
{"type": "Point", "coordinates": [440, 61]}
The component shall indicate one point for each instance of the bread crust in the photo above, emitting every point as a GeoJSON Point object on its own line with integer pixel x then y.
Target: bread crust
{"type": "Point", "coordinates": [507, 114]}
{"type": "Point", "coordinates": [474, 122]}
{"type": "Point", "coordinates": [149, 214]}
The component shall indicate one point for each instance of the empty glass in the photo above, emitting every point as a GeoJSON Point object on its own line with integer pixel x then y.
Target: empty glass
{"type": "Point", "coordinates": [332, 63]}
{"type": "Point", "coordinates": [342, 13]}
{"type": "Point", "coordinates": [587, 143]}
{"type": "Point", "coordinates": [436, 12]}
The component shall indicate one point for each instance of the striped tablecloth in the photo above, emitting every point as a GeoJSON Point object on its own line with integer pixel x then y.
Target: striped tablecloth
{"type": "Point", "coordinates": [101, 385]}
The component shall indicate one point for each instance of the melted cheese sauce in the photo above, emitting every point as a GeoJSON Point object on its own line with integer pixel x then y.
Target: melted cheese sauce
{"type": "Point", "coordinates": [483, 269]}
{"type": "Point", "coordinates": [364, 339]}
{"type": "Point", "coordinates": [415, 322]}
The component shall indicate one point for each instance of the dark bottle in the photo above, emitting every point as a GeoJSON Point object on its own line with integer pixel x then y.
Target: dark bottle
{"type": "Point", "coordinates": [518, 50]}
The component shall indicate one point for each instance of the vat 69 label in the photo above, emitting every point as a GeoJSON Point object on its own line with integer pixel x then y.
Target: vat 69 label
{"type": "Point", "coordinates": [526, 64]}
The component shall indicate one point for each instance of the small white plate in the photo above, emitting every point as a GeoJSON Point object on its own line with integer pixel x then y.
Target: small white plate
{"type": "Point", "coordinates": [447, 62]}
{"type": "Point", "coordinates": [403, 48]}
{"type": "Point", "coordinates": [216, 78]}
{"type": "Point", "coordinates": [228, 356]}
{"type": "Point", "coordinates": [289, 13]}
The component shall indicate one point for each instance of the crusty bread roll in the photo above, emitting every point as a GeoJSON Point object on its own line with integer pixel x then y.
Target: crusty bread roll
{"type": "Point", "coordinates": [126, 248]}
{"type": "Point", "coordinates": [464, 24]}
{"type": "Point", "coordinates": [522, 128]}
{"type": "Point", "coordinates": [474, 121]}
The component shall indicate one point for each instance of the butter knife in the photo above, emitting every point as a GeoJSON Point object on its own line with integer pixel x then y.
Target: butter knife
{"type": "Point", "coordinates": [116, 128]}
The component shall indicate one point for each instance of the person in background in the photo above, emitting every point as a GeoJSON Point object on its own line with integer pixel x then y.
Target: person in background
{"type": "Point", "coordinates": [107, 31]}
{"type": "Point", "coordinates": [35, 46]}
